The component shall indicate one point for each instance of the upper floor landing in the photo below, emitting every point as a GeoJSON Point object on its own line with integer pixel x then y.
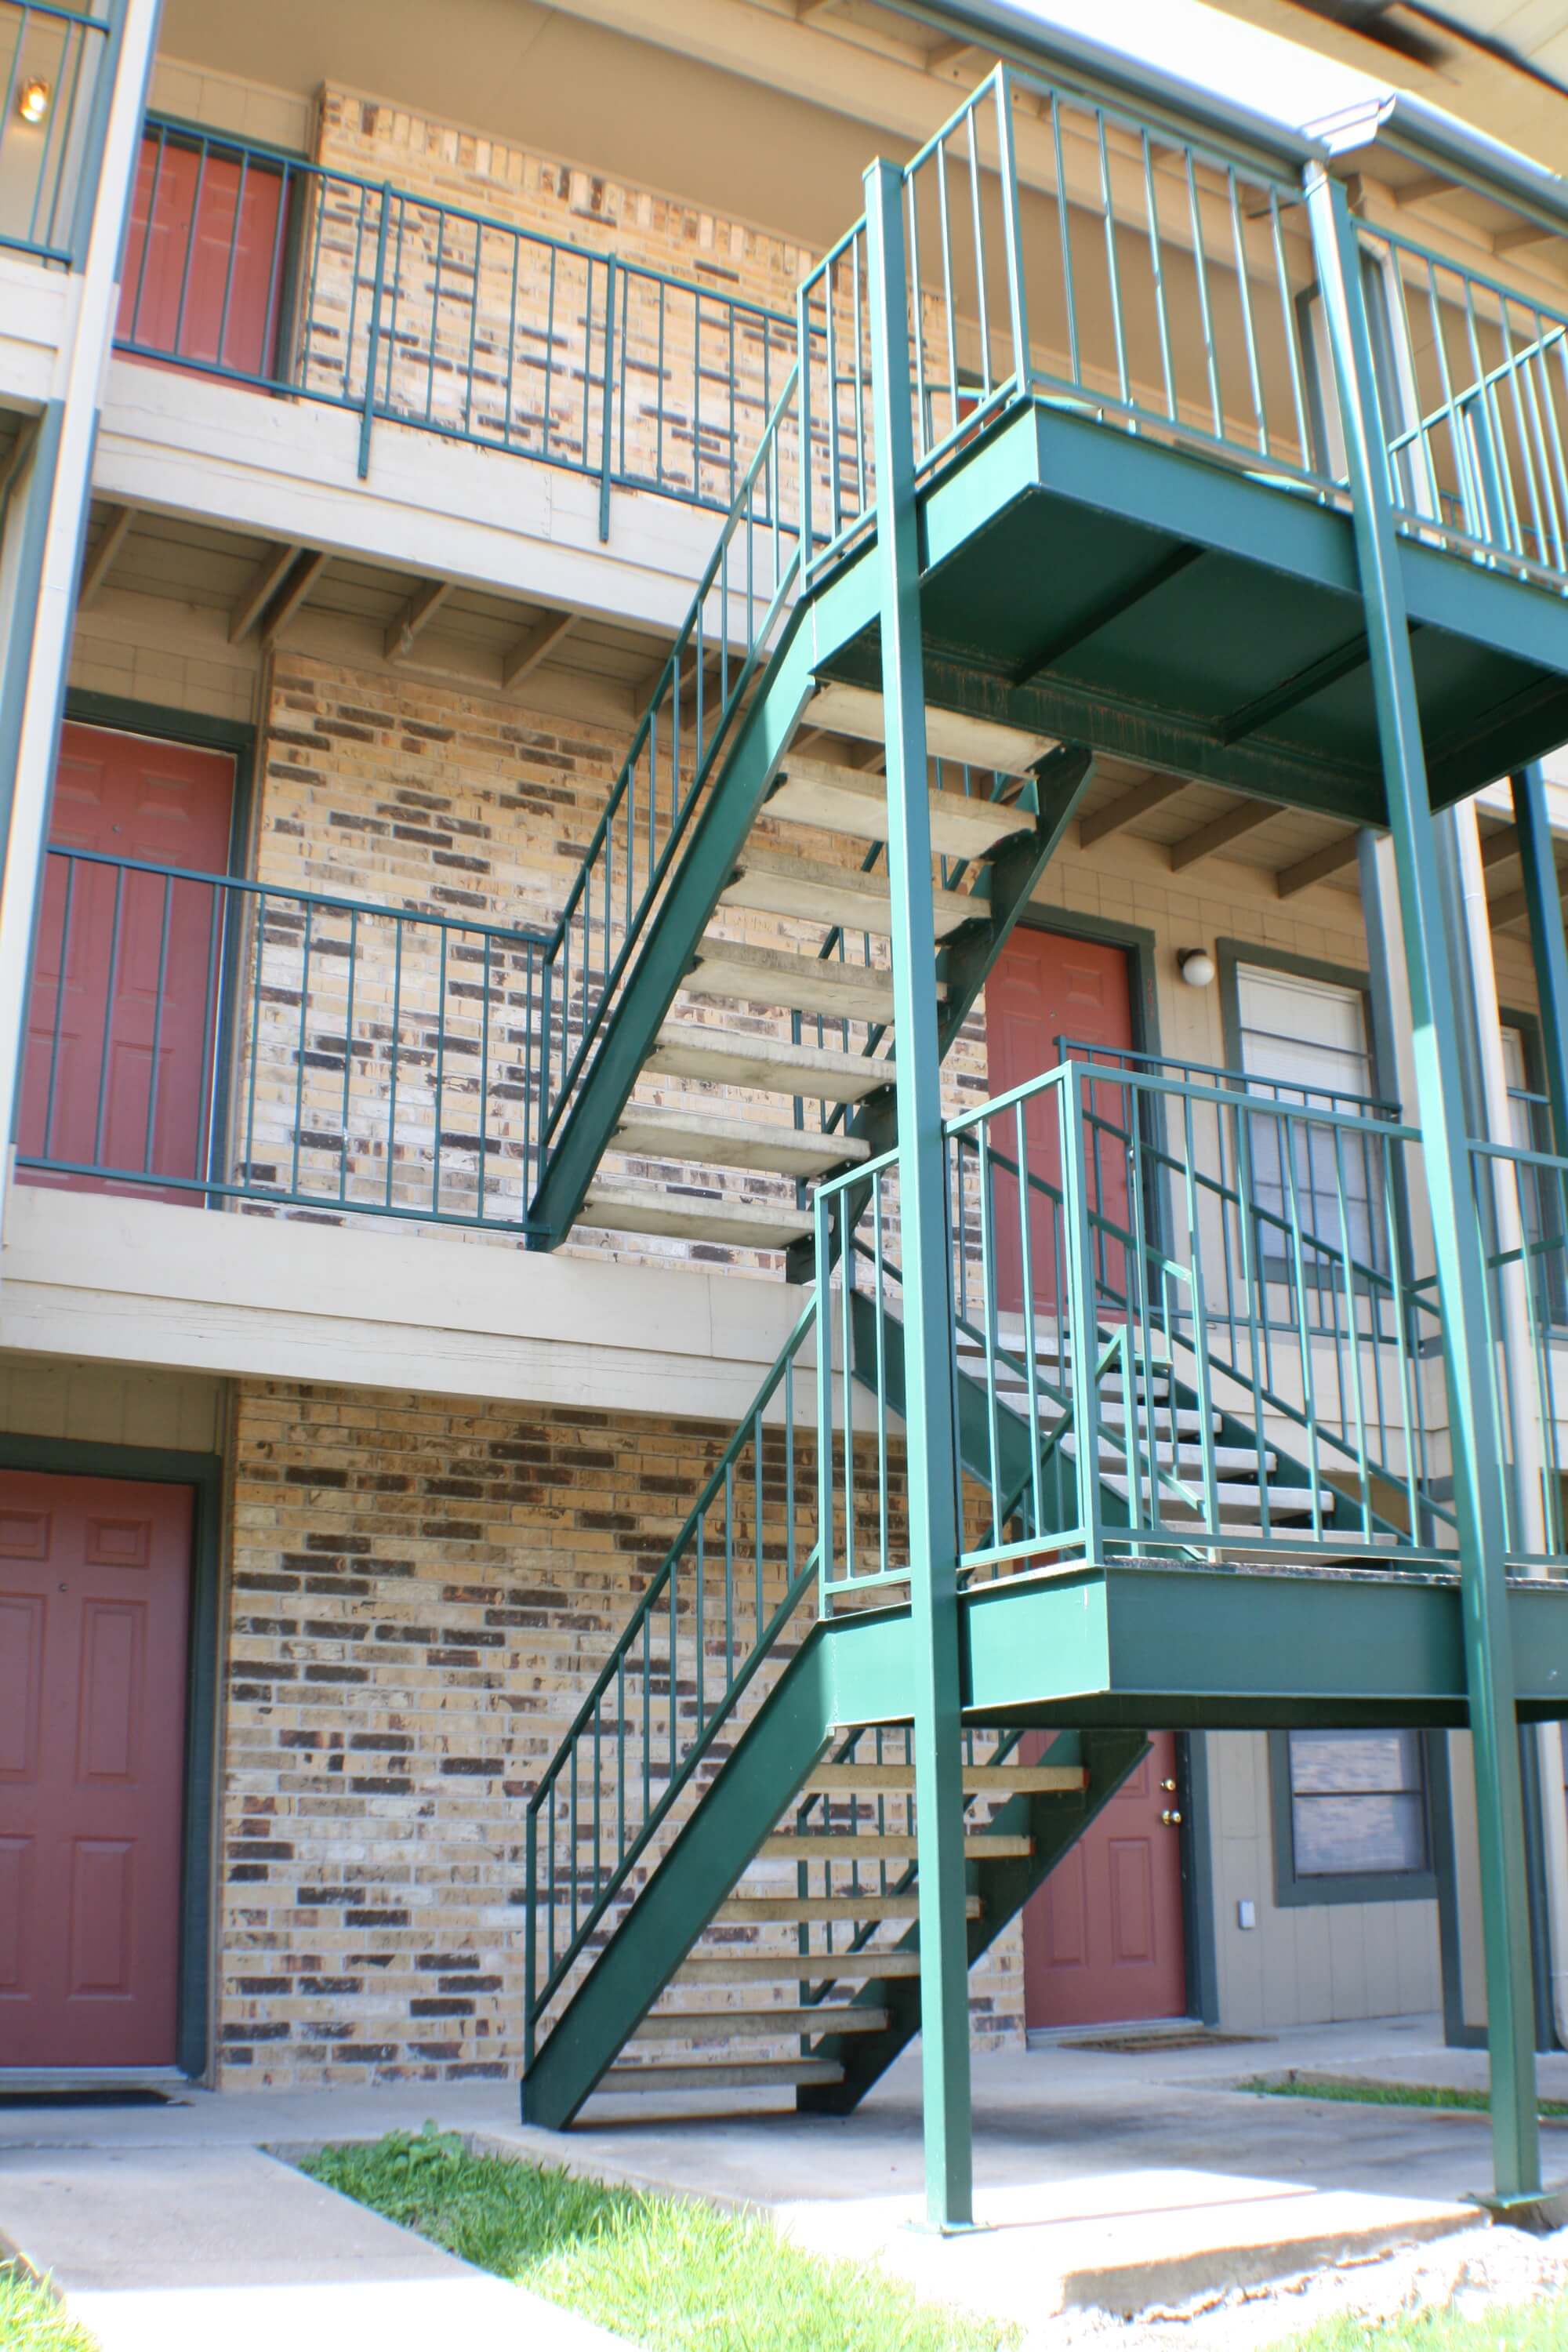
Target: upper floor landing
{"type": "Point", "coordinates": [357, 322]}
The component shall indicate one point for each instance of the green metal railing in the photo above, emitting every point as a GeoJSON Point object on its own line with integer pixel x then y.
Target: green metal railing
{"type": "Point", "coordinates": [1138, 277]}
{"type": "Point", "coordinates": [710, 1621]}
{"type": "Point", "coordinates": [733, 625]}
{"type": "Point", "coordinates": [1520, 1198]}
{"type": "Point", "coordinates": [1222, 1352]}
{"type": "Point", "coordinates": [52, 64]}
{"type": "Point", "coordinates": [1478, 384]}
{"type": "Point", "coordinates": [214, 1038]}
{"type": "Point", "coordinates": [295, 277]}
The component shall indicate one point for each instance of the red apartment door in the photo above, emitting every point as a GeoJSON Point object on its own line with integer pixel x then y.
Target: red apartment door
{"type": "Point", "coordinates": [120, 1013]}
{"type": "Point", "coordinates": [1046, 986]}
{"type": "Point", "coordinates": [203, 280]}
{"type": "Point", "coordinates": [1103, 1937]}
{"type": "Point", "coordinates": [94, 1603]}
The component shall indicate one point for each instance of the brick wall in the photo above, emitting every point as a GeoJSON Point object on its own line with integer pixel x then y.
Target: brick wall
{"type": "Point", "coordinates": [421, 1592]}
{"type": "Point", "coordinates": [443, 803]}
{"type": "Point", "coordinates": [503, 300]}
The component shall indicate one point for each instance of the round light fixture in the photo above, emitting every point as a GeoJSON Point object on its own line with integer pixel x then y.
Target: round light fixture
{"type": "Point", "coordinates": [33, 102]}
{"type": "Point", "coordinates": [1197, 967]}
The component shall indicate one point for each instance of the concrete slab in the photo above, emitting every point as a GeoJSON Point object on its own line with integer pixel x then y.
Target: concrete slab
{"type": "Point", "coordinates": [1119, 2179]}
{"type": "Point", "coordinates": [179, 2249]}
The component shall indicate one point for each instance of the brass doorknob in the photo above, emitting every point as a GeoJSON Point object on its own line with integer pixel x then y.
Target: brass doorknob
{"type": "Point", "coordinates": [1173, 1821]}
{"type": "Point", "coordinates": [1169, 1787]}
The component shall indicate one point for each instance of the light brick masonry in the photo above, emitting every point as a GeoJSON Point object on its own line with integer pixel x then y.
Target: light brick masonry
{"type": "Point", "coordinates": [421, 1593]}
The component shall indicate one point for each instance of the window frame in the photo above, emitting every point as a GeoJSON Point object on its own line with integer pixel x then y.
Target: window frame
{"type": "Point", "coordinates": [1295, 1892]}
{"type": "Point", "coordinates": [1234, 955]}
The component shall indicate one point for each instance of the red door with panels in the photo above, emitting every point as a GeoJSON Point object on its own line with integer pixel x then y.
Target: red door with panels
{"type": "Point", "coordinates": [122, 1009]}
{"type": "Point", "coordinates": [95, 1578]}
{"type": "Point", "coordinates": [204, 273]}
{"type": "Point", "coordinates": [1103, 1937]}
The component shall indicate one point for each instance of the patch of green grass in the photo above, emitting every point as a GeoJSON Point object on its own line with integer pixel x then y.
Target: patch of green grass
{"type": "Point", "coordinates": [1357, 2093]}
{"type": "Point", "coordinates": [673, 2275]}
{"type": "Point", "coordinates": [32, 2321]}
{"type": "Point", "coordinates": [1532, 2327]}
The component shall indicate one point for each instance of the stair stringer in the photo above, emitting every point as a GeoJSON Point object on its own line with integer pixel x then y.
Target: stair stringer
{"type": "Point", "coordinates": [764, 1775]}
{"type": "Point", "coordinates": [1054, 1824]}
{"type": "Point", "coordinates": [820, 621]}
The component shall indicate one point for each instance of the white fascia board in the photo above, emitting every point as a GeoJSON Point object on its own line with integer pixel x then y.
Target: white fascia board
{"type": "Point", "coordinates": [37, 311]}
{"type": "Point", "coordinates": [287, 470]}
{"type": "Point", "coordinates": [93, 1276]}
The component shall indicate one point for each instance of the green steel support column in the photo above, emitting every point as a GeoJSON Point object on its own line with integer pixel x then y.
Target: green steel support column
{"type": "Point", "coordinates": [922, 1209]}
{"type": "Point", "coordinates": [1478, 1443]}
{"type": "Point", "coordinates": [1546, 941]}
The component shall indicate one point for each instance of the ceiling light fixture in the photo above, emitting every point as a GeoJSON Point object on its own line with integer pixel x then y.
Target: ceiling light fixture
{"type": "Point", "coordinates": [33, 102]}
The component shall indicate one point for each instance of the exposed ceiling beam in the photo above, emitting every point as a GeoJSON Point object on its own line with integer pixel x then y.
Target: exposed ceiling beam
{"type": "Point", "coordinates": [1141, 800]}
{"type": "Point", "coordinates": [1250, 717]}
{"type": "Point", "coordinates": [811, 12]}
{"type": "Point", "coordinates": [1510, 240]}
{"type": "Point", "coordinates": [1422, 191]}
{"type": "Point", "coordinates": [950, 53]}
{"type": "Point", "coordinates": [1332, 858]}
{"type": "Point", "coordinates": [292, 594]}
{"type": "Point", "coordinates": [534, 645]}
{"type": "Point", "coordinates": [418, 613]}
{"type": "Point", "coordinates": [1515, 903]}
{"type": "Point", "coordinates": [258, 592]}
{"type": "Point", "coordinates": [1100, 615]}
{"type": "Point", "coordinates": [101, 562]}
{"type": "Point", "coordinates": [1244, 818]}
{"type": "Point", "coordinates": [1498, 848]}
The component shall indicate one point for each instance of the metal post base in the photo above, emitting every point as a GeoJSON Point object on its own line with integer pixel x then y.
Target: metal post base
{"type": "Point", "coordinates": [1540, 2213]}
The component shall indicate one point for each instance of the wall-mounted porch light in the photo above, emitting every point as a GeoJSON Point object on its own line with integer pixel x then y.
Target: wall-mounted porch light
{"type": "Point", "coordinates": [1197, 967]}
{"type": "Point", "coordinates": [33, 100]}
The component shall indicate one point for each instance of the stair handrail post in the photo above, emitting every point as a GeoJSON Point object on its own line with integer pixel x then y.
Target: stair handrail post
{"type": "Point", "coordinates": [929, 1408]}
{"type": "Point", "coordinates": [1082, 1334]}
{"type": "Point", "coordinates": [1477, 1447]}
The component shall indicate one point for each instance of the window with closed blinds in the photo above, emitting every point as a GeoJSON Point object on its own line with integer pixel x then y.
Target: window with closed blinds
{"type": "Point", "coordinates": [1358, 1805]}
{"type": "Point", "coordinates": [1304, 1044]}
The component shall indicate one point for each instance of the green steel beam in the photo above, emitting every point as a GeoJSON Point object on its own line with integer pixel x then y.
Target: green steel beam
{"type": "Point", "coordinates": [769, 1762]}
{"type": "Point", "coordinates": [933, 1472]}
{"type": "Point", "coordinates": [1546, 941]}
{"type": "Point", "coordinates": [1461, 1273]}
{"type": "Point", "coordinates": [1166, 568]}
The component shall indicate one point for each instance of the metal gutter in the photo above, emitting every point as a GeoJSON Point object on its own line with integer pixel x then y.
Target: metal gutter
{"type": "Point", "coordinates": [1022, 37]}
{"type": "Point", "coordinates": [1411, 126]}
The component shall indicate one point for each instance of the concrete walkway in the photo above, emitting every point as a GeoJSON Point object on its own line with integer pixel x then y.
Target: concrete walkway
{"type": "Point", "coordinates": [1114, 2179]}
{"type": "Point", "coordinates": [224, 2249]}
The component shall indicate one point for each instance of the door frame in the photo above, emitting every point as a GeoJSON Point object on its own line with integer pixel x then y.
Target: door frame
{"type": "Point", "coordinates": [159, 722]}
{"type": "Point", "coordinates": [69, 1457]}
{"type": "Point", "coordinates": [1199, 1928]}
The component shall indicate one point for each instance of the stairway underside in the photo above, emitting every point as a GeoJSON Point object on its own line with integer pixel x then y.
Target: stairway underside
{"type": "Point", "coordinates": [1086, 585]}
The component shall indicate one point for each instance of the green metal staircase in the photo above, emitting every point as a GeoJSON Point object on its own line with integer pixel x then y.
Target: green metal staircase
{"type": "Point", "coordinates": [1040, 517]}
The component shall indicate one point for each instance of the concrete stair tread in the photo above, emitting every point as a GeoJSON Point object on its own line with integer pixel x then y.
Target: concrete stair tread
{"type": "Point", "coordinates": [720, 2074]}
{"type": "Point", "coordinates": [685, 1132]}
{"type": "Point", "coordinates": [867, 1907]}
{"type": "Point", "coordinates": [729, 1058]}
{"type": "Point", "coordinates": [1014, 1779]}
{"type": "Point", "coordinates": [950, 734]}
{"type": "Point", "coordinates": [622, 1206]}
{"type": "Point", "coordinates": [851, 1846]}
{"type": "Point", "coordinates": [777, 882]}
{"type": "Point", "coordinates": [798, 983]}
{"type": "Point", "coordinates": [790, 1968]}
{"type": "Point", "coordinates": [675, 2025]}
{"type": "Point", "coordinates": [834, 799]}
